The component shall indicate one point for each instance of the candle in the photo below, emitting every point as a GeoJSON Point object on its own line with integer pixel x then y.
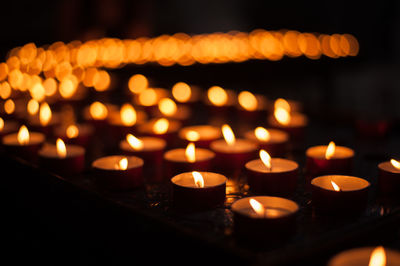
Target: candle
{"type": "Point", "coordinates": [97, 113]}
{"type": "Point", "coordinates": [24, 144]}
{"type": "Point", "coordinates": [7, 127]}
{"type": "Point", "coordinates": [274, 141]}
{"type": "Point", "coordinates": [263, 217]}
{"type": "Point", "coordinates": [62, 159]}
{"type": "Point", "coordinates": [45, 121]}
{"type": "Point", "coordinates": [125, 120]}
{"type": "Point", "coordinates": [149, 98]}
{"type": "Point", "coordinates": [185, 94]}
{"type": "Point", "coordinates": [328, 159]}
{"type": "Point", "coordinates": [272, 176]}
{"type": "Point", "coordinates": [219, 101]}
{"type": "Point", "coordinates": [201, 135]}
{"type": "Point", "coordinates": [150, 149]}
{"type": "Point", "coordinates": [169, 109]}
{"type": "Point", "coordinates": [161, 128]}
{"type": "Point", "coordinates": [372, 256]}
{"type": "Point", "coordinates": [389, 179]}
{"type": "Point", "coordinates": [250, 106]}
{"type": "Point", "coordinates": [118, 172]}
{"type": "Point", "coordinates": [198, 190]}
{"type": "Point", "coordinates": [332, 194]}
{"type": "Point", "coordinates": [78, 134]}
{"type": "Point", "coordinates": [189, 159]}
{"type": "Point", "coordinates": [231, 153]}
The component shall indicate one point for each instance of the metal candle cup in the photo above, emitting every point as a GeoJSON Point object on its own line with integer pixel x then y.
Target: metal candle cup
{"type": "Point", "coordinates": [277, 223]}
{"type": "Point", "coordinates": [110, 178]}
{"type": "Point", "coordinates": [362, 256]}
{"type": "Point", "coordinates": [187, 195]}
{"type": "Point", "coordinates": [388, 180]}
{"type": "Point", "coordinates": [350, 197]}
{"type": "Point", "coordinates": [280, 180]}
{"type": "Point", "coordinates": [276, 145]}
{"type": "Point", "coordinates": [203, 135]}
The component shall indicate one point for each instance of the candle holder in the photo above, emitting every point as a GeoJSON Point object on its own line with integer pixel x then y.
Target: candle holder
{"type": "Point", "coordinates": [339, 194]}
{"type": "Point", "coordinates": [363, 255]}
{"type": "Point", "coordinates": [295, 126]}
{"type": "Point", "coordinates": [200, 135]}
{"type": "Point", "coordinates": [78, 134]}
{"type": "Point", "coordinates": [389, 179]}
{"type": "Point", "coordinates": [274, 141]}
{"type": "Point", "coordinates": [167, 129]}
{"type": "Point", "coordinates": [189, 195]}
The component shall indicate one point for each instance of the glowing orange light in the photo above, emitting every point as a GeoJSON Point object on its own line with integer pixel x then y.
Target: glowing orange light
{"type": "Point", "coordinates": [190, 153]}
{"type": "Point", "coordinates": [395, 163]}
{"type": "Point", "coordinates": [138, 83]}
{"type": "Point", "coordinates": [167, 106]}
{"type": "Point", "coordinates": [217, 95]}
{"type": "Point", "coordinates": [266, 159]}
{"type": "Point", "coordinates": [5, 90]}
{"type": "Point", "coordinates": [134, 142]}
{"type": "Point", "coordinates": [32, 107]}
{"type": "Point", "coordinates": [228, 134]}
{"type": "Point", "coordinates": [45, 114]}
{"type": "Point", "coordinates": [72, 131]}
{"type": "Point", "coordinates": [9, 106]}
{"type": "Point", "coordinates": [257, 207]}
{"type": "Point", "coordinates": [23, 135]}
{"type": "Point", "coordinates": [98, 111]}
{"type": "Point", "coordinates": [247, 100]}
{"type": "Point", "coordinates": [128, 115]}
{"type": "Point", "coordinates": [335, 186]}
{"type": "Point", "coordinates": [262, 134]}
{"type": "Point", "coordinates": [148, 97]}
{"type": "Point", "coordinates": [61, 149]}
{"type": "Point", "coordinates": [378, 257]}
{"type": "Point", "coordinates": [161, 126]}
{"type": "Point", "coordinates": [181, 92]}
{"type": "Point", "coordinates": [1, 124]}
{"type": "Point", "coordinates": [68, 86]}
{"type": "Point", "coordinates": [192, 135]}
{"type": "Point", "coordinates": [102, 81]}
{"type": "Point", "coordinates": [198, 179]}
{"type": "Point", "coordinates": [282, 116]}
{"type": "Point", "coordinates": [282, 103]}
{"type": "Point", "coordinates": [50, 86]}
{"type": "Point", "coordinates": [330, 150]}
{"type": "Point", "coordinates": [122, 164]}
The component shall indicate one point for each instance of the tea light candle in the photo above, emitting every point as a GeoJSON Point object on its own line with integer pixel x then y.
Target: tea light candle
{"type": "Point", "coordinates": [198, 190]}
{"type": "Point", "coordinates": [201, 135]}
{"type": "Point", "coordinates": [149, 98]}
{"type": "Point", "coordinates": [185, 94]}
{"type": "Point", "coordinates": [264, 217]}
{"type": "Point", "coordinates": [78, 134]}
{"type": "Point", "coordinates": [161, 128]}
{"type": "Point", "coordinates": [366, 256]}
{"type": "Point", "coordinates": [389, 179]}
{"type": "Point", "coordinates": [231, 154]}
{"type": "Point", "coordinates": [274, 141]}
{"type": "Point", "coordinates": [272, 176]}
{"type": "Point", "coordinates": [292, 123]}
{"type": "Point", "coordinates": [328, 159]}
{"type": "Point", "coordinates": [169, 109]}
{"type": "Point", "coordinates": [45, 121]}
{"type": "Point", "coordinates": [118, 172]}
{"type": "Point", "coordinates": [250, 106]}
{"type": "Point", "coordinates": [125, 118]}
{"type": "Point", "coordinates": [189, 159]}
{"type": "Point", "coordinates": [219, 100]}
{"type": "Point", "coordinates": [332, 194]}
{"type": "Point", "coordinates": [97, 113]}
{"type": "Point", "coordinates": [24, 144]}
{"type": "Point", "coordinates": [62, 159]}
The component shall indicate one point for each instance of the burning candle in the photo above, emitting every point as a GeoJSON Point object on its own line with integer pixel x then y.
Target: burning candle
{"type": "Point", "coordinates": [251, 106]}
{"type": "Point", "coordinates": [389, 179]}
{"type": "Point", "coordinates": [232, 153]}
{"type": "Point", "coordinates": [328, 159]}
{"type": "Point", "coordinates": [161, 128]}
{"type": "Point", "coordinates": [272, 176]}
{"type": "Point", "coordinates": [220, 100]}
{"type": "Point", "coordinates": [372, 256]}
{"type": "Point", "coordinates": [118, 172]}
{"type": "Point", "coordinates": [62, 159]}
{"type": "Point", "coordinates": [97, 113]}
{"type": "Point", "coordinates": [332, 194]}
{"type": "Point", "coordinates": [149, 98]}
{"type": "Point", "coordinates": [169, 109]}
{"type": "Point", "coordinates": [201, 135]}
{"type": "Point", "coordinates": [190, 159]}
{"type": "Point", "coordinates": [24, 144]}
{"type": "Point", "coordinates": [272, 140]}
{"type": "Point", "coordinates": [123, 121]}
{"type": "Point", "coordinates": [45, 120]}
{"type": "Point", "coordinates": [263, 217]}
{"type": "Point", "coordinates": [78, 134]}
{"type": "Point", "coordinates": [198, 190]}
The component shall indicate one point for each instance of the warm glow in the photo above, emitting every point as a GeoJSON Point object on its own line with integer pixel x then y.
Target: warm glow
{"type": "Point", "coordinates": [247, 100]}
{"type": "Point", "coordinates": [32, 107]}
{"type": "Point", "coordinates": [262, 134]}
{"type": "Point", "coordinates": [102, 81]}
{"type": "Point", "coordinates": [161, 126]}
{"type": "Point", "coordinates": [148, 97]}
{"type": "Point", "coordinates": [257, 207]}
{"type": "Point", "coordinates": [282, 116]}
{"type": "Point", "coordinates": [266, 159]}
{"type": "Point", "coordinates": [23, 135]}
{"type": "Point", "coordinates": [45, 114]}
{"type": "Point", "coordinates": [282, 103]}
{"type": "Point", "coordinates": [128, 115]}
{"type": "Point", "coordinates": [72, 131]}
{"type": "Point", "coordinates": [217, 95]}
{"type": "Point", "coordinates": [190, 153]}
{"type": "Point", "coordinates": [228, 134]}
{"type": "Point", "coordinates": [61, 149]}
{"type": "Point", "coordinates": [68, 86]}
{"type": "Point", "coordinates": [396, 164]}
{"type": "Point", "coordinates": [167, 106]}
{"type": "Point", "coordinates": [1, 124]}
{"type": "Point", "coordinates": [192, 135]}
{"type": "Point", "coordinates": [98, 111]}
{"type": "Point", "coordinates": [9, 106]}
{"type": "Point", "coordinates": [378, 257]}
{"type": "Point", "coordinates": [122, 164]}
{"type": "Point", "coordinates": [330, 151]}
{"type": "Point", "coordinates": [134, 142]}
{"type": "Point", "coordinates": [335, 186]}
{"type": "Point", "coordinates": [138, 83]}
{"type": "Point", "coordinates": [181, 92]}
{"type": "Point", "coordinates": [198, 179]}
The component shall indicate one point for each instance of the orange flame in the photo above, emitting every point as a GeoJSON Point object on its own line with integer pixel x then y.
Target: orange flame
{"type": "Point", "coordinates": [198, 179]}
{"type": "Point", "coordinates": [61, 149]}
{"type": "Point", "coordinates": [23, 135]}
{"type": "Point", "coordinates": [228, 134]}
{"type": "Point", "coordinates": [266, 159]}
{"type": "Point", "coordinates": [122, 164]}
{"type": "Point", "coordinates": [335, 186]}
{"type": "Point", "coordinates": [378, 257]}
{"type": "Point", "coordinates": [257, 207]}
{"type": "Point", "coordinates": [1, 124]}
{"type": "Point", "coordinates": [262, 134]}
{"type": "Point", "coordinates": [161, 126]}
{"type": "Point", "coordinates": [98, 111]}
{"type": "Point", "coordinates": [396, 164]}
{"type": "Point", "coordinates": [248, 101]}
{"type": "Point", "coordinates": [138, 83]}
{"type": "Point", "coordinates": [192, 135]}
{"type": "Point", "coordinates": [167, 106]}
{"type": "Point", "coordinates": [181, 92]}
{"type": "Point", "coordinates": [282, 116]}
{"type": "Point", "coordinates": [190, 152]}
{"type": "Point", "coordinates": [148, 97]}
{"type": "Point", "coordinates": [44, 114]}
{"type": "Point", "coordinates": [217, 95]}
{"type": "Point", "coordinates": [330, 150]}
{"type": "Point", "coordinates": [134, 142]}
{"type": "Point", "coordinates": [282, 103]}
{"type": "Point", "coordinates": [72, 131]}
{"type": "Point", "coordinates": [128, 115]}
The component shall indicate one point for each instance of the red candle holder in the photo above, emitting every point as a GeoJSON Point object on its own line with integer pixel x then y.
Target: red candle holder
{"type": "Point", "coordinates": [295, 127]}
{"type": "Point", "coordinates": [275, 143]}
{"type": "Point", "coordinates": [110, 175]}
{"type": "Point", "coordinates": [78, 134]}
{"type": "Point", "coordinates": [389, 179]}
{"type": "Point", "coordinates": [189, 195]}
{"type": "Point", "coordinates": [363, 256]}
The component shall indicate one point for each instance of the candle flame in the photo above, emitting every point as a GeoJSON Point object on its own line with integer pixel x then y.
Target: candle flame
{"type": "Point", "coordinates": [44, 114]}
{"type": "Point", "coordinates": [128, 115]}
{"type": "Point", "coordinates": [192, 135]}
{"type": "Point", "coordinates": [134, 142]}
{"type": "Point", "coordinates": [181, 92]}
{"type": "Point", "coordinates": [198, 179]}
{"type": "Point", "coordinates": [282, 103]}
{"type": "Point", "coordinates": [61, 149]}
{"type": "Point", "coordinates": [122, 164]}
{"type": "Point", "coordinates": [378, 257]}
{"type": "Point", "coordinates": [72, 131]}
{"type": "Point", "coordinates": [148, 97]}
{"type": "Point", "coordinates": [32, 107]}
{"type": "Point", "coordinates": [396, 164]}
{"type": "Point", "coordinates": [266, 159]}
{"type": "Point", "coordinates": [138, 83]}
{"type": "Point", "coordinates": [190, 152]}
{"type": "Point", "coordinates": [9, 106]}
{"type": "Point", "coordinates": [248, 101]}
{"type": "Point", "coordinates": [335, 186]}
{"type": "Point", "coordinates": [98, 111]}
{"type": "Point", "coordinates": [217, 95]}
{"type": "Point", "coordinates": [228, 134]}
{"type": "Point", "coordinates": [23, 135]}
{"type": "Point", "coordinates": [167, 106]}
{"type": "Point", "coordinates": [262, 134]}
{"type": "Point", "coordinates": [330, 150]}
{"type": "Point", "coordinates": [161, 126]}
{"type": "Point", "coordinates": [282, 116]}
{"type": "Point", "coordinates": [257, 207]}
